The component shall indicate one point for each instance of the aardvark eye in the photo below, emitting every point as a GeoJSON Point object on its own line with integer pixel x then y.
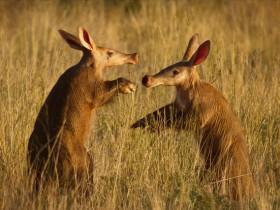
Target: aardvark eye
{"type": "Point", "coordinates": [175, 72]}
{"type": "Point", "coordinates": [110, 53]}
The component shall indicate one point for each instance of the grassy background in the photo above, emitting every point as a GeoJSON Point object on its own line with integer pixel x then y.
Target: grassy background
{"type": "Point", "coordinates": [136, 169]}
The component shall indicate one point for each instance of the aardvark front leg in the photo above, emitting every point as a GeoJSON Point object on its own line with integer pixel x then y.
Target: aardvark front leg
{"type": "Point", "coordinates": [165, 117]}
{"type": "Point", "coordinates": [114, 87]}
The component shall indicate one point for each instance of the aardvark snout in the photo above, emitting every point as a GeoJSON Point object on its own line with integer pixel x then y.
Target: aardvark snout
{"type": "Point", "coordinates": [147, 80]}
{"type": "Point", "coordinates": [133, 58]}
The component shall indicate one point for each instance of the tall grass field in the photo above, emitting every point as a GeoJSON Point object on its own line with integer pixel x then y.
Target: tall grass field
{"type": "Point", "coordinates": [136, 169]}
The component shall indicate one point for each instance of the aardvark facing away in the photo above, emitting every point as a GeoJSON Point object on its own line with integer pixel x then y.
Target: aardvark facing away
{"type": "Point", "coordinates": [218, 130]}
{"type": "Point", "coordinates": [56, 148]}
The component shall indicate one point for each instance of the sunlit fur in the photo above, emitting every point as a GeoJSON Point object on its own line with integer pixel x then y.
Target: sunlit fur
{"type": "Point", "coordinates": [56, 148]}
{"type": "Point", "coordinates": [110, 57]}
{"type": "Point", "coordinates": [204, 109]}
{"type": "Point", "coordinates": [172, 75]}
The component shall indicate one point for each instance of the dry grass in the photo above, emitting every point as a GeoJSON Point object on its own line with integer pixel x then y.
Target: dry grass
{"type": "Point", "coordinates": [136, 169]}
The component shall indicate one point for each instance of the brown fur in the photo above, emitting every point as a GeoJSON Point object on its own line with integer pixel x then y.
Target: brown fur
{"type": "Point", "coordinates": [200, 106]}
{"type": "Point", "coordinates": [56, 148]}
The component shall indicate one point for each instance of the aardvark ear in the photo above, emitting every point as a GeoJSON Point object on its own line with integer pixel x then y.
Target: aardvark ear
{"type": "Point", "coordinates": [86, 39]}
{"type": "Point", "coordinates": [201, 53]}
{"type": "Point", "coordinates": [192, 46]}
{"type": "Point", "coordinates": [71, 40]}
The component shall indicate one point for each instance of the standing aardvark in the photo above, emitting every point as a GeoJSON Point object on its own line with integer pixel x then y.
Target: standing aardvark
{"type": "Point", "coordinates": [220, 135]}
{"type": "Point", "coordinates": [56, 148]}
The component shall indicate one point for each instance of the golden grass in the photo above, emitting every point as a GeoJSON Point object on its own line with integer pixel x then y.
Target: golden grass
{"type": "Point", "coordinates": [136, 169]}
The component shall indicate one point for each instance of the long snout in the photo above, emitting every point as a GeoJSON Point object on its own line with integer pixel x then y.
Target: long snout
{"type": "Point", "coordinates": [146, 81]}
{"type": "Point", "coordinates": [119, 58]}
{"type": "Point", "coordinates": [151, 81]}
{"type": "Point", "coordinates": [132, 58]}
{"type": "Point", "coordinates": [170, 76]}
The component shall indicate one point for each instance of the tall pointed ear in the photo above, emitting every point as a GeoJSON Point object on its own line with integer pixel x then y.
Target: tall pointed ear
{"type": "Point", "coordinates": [71, 40]}
{"type": "Point", "coordinates": [201, 53]}
{"type": "Point", "coordinates": [192, 46]}
{"type": "Point", "coordinates": [86, 39]}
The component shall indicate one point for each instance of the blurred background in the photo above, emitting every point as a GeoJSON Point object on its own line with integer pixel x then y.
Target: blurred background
{"type": "Point", "coordinates": [134, 168]}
